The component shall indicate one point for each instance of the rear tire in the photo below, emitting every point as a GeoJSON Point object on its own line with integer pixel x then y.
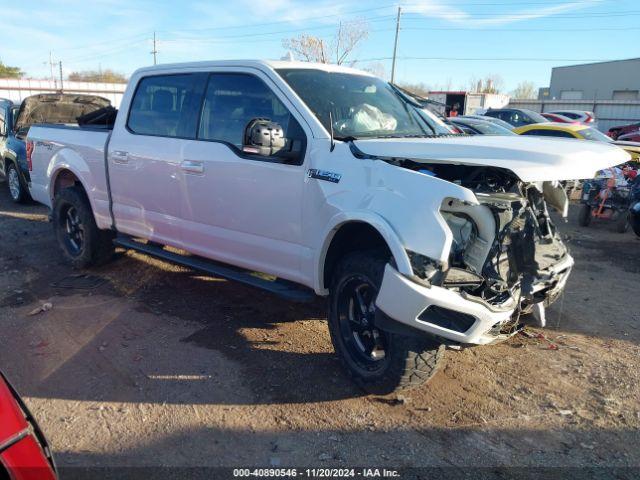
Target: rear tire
{"type": "Point", "coordinates": [17, 189]}
{"type": "Point", "coordinates": [379, 362]}
{"type": "Point", "coordinates": [83, 244]}
{"type": "Point", "coordinates": [584, 216]}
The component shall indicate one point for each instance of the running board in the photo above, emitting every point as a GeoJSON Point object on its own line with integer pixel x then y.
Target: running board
{"type": "Point", "coordinates": [283, 288]}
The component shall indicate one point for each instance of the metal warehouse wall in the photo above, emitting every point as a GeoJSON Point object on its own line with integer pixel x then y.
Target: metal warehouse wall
{"type": "Point", "coordinates": [596, 80]}
{"type": "Point", "coordinates": [17, 89]}
{"type": "Point", "coordinates": [608, 112]}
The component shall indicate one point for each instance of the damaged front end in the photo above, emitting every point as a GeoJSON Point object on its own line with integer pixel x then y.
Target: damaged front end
{"type": "Point", "coordinates": [505, 252]}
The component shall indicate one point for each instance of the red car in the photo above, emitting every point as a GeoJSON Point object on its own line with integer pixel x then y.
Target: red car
{"type": "Point", "coordinates": [24, 452]}
{"type": "Point", "coordinates": [631, 133]}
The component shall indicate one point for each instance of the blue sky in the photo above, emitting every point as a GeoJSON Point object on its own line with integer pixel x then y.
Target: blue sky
{"type": "Point", "coordinates": [443, 43]}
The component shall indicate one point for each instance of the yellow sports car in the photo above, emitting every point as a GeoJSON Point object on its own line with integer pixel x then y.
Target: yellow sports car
{"type": "Point", "coordinates": [575, 130]}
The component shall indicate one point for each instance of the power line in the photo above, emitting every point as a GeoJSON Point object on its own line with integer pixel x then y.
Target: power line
{"type": "Point", "coordinates": [279, 32]}
{"type": "Point", "coordinates": [525, 15]}
{"type": "Point", "coordinates": [513, 4]}
{"type": "Point", "coordinates": [489, 59]}
{"type": "Point", "coordinates": [482, 29]}
{"type": "Point", "coordinates": [280, 22]}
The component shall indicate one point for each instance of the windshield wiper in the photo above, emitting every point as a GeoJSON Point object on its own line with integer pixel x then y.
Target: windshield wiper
{"type": "Point", "coordinates": [408, 135]}
{"type": "Point", "coordinates": [346, 138]}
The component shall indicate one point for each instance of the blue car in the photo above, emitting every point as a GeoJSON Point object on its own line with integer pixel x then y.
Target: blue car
{"type": "Point", "coordinates": [13, 157]}
{"type": "Point", "coordinates": [15, 120]}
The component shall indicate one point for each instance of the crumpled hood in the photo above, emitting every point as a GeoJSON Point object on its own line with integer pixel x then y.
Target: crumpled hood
{"type": "Point", "coordinates": [532, 159]}
{"type": "Point", "coordinates": [56, 108]}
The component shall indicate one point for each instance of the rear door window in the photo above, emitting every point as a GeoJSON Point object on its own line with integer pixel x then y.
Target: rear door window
{"type": "Point", "coordinates": [167, 105]}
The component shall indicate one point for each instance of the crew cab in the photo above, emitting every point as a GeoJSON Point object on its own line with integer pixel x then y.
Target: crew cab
{"type": "Point", "coordinates": [327, 180]}
{"type": "Point", "coordinates": [15, 121]}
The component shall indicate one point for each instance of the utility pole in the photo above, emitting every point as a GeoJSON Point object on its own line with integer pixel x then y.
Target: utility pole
{"type": "Point", "coordinates": [61, 83]}
{"type": "Point", "coordinates": [395, 46]}
{"type": "Point", "coordinates": [154, 52]}
{"type": "Point", "coordinates": [53, 78]}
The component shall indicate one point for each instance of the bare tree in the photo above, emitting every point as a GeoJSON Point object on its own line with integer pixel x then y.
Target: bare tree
{"type": "Point", "coordinates": [490, 84]}
{"type": "Point", "coordinates": [419, 89]}
{"type": "Point", "coordinates": [525, 90]}
{"type": "Point", "coordinates": [376, 68]}
{"type": "Point", "coordinates": [307, 48]}
{"type": "Point", "coordinates": [336, 50]}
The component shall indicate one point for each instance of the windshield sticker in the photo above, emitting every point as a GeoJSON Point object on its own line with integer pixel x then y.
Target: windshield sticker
{"type": "Point", "coordinates": [324, 175]}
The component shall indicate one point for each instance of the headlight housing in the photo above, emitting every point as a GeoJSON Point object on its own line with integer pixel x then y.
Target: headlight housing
{"type": "Point", "coordinates": [424, 268]}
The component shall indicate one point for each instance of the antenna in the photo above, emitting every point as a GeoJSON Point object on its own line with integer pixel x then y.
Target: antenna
{"type": "Point", "coordinates": [333, 142]}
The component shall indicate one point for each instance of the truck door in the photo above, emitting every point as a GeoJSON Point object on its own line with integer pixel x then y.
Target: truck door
{"type": "Point", "coordinates": [240, 207]}
{"type": "Point", "coordinates": [146, 152]}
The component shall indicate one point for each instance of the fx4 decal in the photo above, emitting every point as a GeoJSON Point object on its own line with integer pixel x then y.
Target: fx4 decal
{"type": "Point", "coordinates": [324, 175]}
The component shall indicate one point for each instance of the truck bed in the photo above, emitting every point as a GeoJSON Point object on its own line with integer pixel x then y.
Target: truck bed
{"type": "Point", "coordinates": [80, 148]}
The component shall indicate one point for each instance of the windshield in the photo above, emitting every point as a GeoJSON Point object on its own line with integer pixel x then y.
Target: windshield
{"type": "Point", "coordinates": [593, 134]}
{"type": "Point", "coordinates": [359, 106]}
{"type": "Point", "coordinates": [434, 122]}
{"type": "Point", "coordinates": [488, 128]}
{"type": "Point", "coordinates": [535, 116]}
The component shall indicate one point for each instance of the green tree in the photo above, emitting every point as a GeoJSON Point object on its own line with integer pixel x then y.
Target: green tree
{"type": "Point", "coordinates": [104, 76]}
{"type": "Point", "coordinates": [10, 72]}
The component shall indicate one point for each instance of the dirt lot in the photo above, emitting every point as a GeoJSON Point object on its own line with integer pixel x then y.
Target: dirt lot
{"type": "Point", "coordinates": [162, 366]}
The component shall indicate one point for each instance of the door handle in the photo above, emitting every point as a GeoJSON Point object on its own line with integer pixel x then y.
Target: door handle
{"type": "Point", "coordinates": [192, 166]}
{"type": "Point", "coordinates": [120, 157]}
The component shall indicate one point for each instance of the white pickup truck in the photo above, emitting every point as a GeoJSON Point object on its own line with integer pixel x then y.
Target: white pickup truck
{"type": "Point", "coordinates": [327, 180]}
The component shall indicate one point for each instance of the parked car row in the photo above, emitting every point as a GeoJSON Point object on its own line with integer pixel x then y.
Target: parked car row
{"type": "Point", "coordinates": [519, 117]}
{"type": "Point", "coordinates": [614, 195]}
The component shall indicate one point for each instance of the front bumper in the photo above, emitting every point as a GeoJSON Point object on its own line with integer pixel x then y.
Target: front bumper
{"type": "Point", "coordinates": [474, 322]}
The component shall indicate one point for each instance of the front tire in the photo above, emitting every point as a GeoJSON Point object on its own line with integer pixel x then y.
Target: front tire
{"type": "Point", "coordinates": [623, 222]}
{"type": "Point", "coordinates": [17, 190]}
{"type": "Point", "coordinates": [634, 220]}
{"type": "Point", "coordinates": [380, 362]}
{"type": "Point", "coordinates": [83, 244]}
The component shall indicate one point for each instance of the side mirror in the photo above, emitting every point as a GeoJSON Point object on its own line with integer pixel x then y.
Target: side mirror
{"type": "Point", "coordinates": [263, 137]}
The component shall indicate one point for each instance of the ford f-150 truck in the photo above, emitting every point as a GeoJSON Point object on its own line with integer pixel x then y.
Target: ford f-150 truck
{"type": "Point", "coordinates": [326, 180]}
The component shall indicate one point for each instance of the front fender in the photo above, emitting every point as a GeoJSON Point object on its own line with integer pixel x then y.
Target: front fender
{"type": "Point", "coordinates": [376, 221]}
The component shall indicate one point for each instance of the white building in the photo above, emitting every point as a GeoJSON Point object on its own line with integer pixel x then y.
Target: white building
{"type": "Point", "coordinates": [16, 89]}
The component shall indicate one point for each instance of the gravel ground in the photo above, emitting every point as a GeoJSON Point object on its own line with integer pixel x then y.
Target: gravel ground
{"type": "Point", "coordinates": [159, 365]}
